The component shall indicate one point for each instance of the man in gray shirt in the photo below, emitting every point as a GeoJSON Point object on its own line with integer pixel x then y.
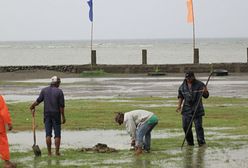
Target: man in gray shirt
{"type": "Point", "coordinates": [54, 104]}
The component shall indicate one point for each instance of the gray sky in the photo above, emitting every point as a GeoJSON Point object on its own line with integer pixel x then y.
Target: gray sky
{"type": "Point", "coordinates": [117, 19]}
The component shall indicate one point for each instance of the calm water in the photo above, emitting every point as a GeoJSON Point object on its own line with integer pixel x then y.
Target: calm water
{"type": "Point", "coordinates": [122, 51]}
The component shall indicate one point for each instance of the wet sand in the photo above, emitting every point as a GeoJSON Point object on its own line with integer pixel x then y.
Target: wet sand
{"type": "Point", "coordinates": [25, 86]}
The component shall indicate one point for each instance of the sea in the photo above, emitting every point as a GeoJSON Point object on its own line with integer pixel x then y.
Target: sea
{"type": "Point", "coordinates": [159, 51]}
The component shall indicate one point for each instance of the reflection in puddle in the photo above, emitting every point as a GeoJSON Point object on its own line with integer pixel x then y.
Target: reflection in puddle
{"type": "Point", "coordinates": [194, 159]}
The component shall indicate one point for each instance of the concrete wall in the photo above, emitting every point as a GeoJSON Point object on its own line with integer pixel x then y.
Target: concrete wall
{"type": "Point", "coordinates": [167, 68]}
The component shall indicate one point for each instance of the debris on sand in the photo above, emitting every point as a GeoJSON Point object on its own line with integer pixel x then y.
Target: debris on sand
{"type": "Point", "coordinates": [100, 148]}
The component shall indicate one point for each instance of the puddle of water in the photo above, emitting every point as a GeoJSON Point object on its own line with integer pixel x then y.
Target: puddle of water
{"type": "Point", "coordinates": [119, 139]}
{"type": "Point", "coordinates": [24, 140]}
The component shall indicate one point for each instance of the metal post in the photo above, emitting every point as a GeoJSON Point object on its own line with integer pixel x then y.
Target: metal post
{"type": "Point", "coordinates": [144, 56]}
{"type": "Point", "coordinates": [196, 56]}
{"type": "Point", "coordinates": [93, 57]}
{"type": "Point", "coordinates": [247, 55]}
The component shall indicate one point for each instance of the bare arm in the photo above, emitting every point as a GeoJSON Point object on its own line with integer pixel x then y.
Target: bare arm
{"type": "Point", "coordinates": [32, 107]}
{"type": "Point", "coordinates": [62, 112]}
{"type": "Point", "coordinates": [179, 105]}
{"type": "Point", "coordinates": [205, 92]}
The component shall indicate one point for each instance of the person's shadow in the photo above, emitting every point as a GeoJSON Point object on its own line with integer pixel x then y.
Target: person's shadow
{"type": "Point", "coordinates": [196, 160]}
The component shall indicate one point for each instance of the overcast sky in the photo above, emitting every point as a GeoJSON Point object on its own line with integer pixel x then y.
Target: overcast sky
{"type": "Point", "coordinates": [118, 19]}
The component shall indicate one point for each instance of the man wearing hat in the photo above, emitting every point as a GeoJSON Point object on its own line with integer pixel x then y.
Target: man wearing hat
{"type": "Point", "coordinates": [189, 93]}
{"type": "Point", "coordinates": [139, 124]}
{"type": "Point", "coordinates": [54, 104]}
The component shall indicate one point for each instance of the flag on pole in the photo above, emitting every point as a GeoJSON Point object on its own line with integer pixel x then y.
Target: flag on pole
{"type": "Point", "coordinates": [190, 16]}
{"type": "Point", "coordinates": [90, 3]}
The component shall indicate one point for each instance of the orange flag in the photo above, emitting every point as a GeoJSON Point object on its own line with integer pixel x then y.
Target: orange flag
{"type": "Point", "coordinates": [190, 16]}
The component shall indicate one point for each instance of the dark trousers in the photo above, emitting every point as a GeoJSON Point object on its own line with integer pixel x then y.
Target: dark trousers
{"type": "Point", "coordinates": [198, 128]}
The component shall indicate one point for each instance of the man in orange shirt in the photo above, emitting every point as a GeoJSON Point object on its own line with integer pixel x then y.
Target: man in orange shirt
{"type": "Point", "coordinates": [4, 146]}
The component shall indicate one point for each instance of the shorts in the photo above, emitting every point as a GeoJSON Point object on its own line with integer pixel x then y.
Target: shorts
{"type": "Point", "coordinates": [52, 123]}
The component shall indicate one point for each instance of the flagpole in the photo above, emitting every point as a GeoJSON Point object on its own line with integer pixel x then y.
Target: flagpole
{"type": "Point", "coordinates": [193, 26]}
{"type": "Point", "coordinates": [90, 3]}
{"type": "Point", "coordinates": [91, 41]}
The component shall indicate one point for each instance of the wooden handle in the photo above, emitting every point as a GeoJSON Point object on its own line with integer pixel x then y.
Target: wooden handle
{"type": "Point", "coordinates": [33, 123]}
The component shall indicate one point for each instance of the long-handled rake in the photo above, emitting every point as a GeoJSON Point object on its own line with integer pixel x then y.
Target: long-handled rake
{"type": "Point", "coordinates": [36, 149]}
{"type": "Point", "coordinates": [198, 102]}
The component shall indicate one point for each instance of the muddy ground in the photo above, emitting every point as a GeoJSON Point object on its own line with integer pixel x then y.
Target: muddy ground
{"type": "Point", "coordinates": [26, 85]}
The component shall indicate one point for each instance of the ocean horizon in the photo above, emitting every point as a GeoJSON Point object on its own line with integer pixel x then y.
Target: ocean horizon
{"type": "Point", "coordinates": [122, 51]}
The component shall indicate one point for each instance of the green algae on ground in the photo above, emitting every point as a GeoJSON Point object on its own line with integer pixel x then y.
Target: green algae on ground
{"type": "Point", "coordinates": [99, 113]}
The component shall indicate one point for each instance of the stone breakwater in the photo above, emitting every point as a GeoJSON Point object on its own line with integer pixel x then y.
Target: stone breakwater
{"type": "Point", "coordinates": [167, 68]}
